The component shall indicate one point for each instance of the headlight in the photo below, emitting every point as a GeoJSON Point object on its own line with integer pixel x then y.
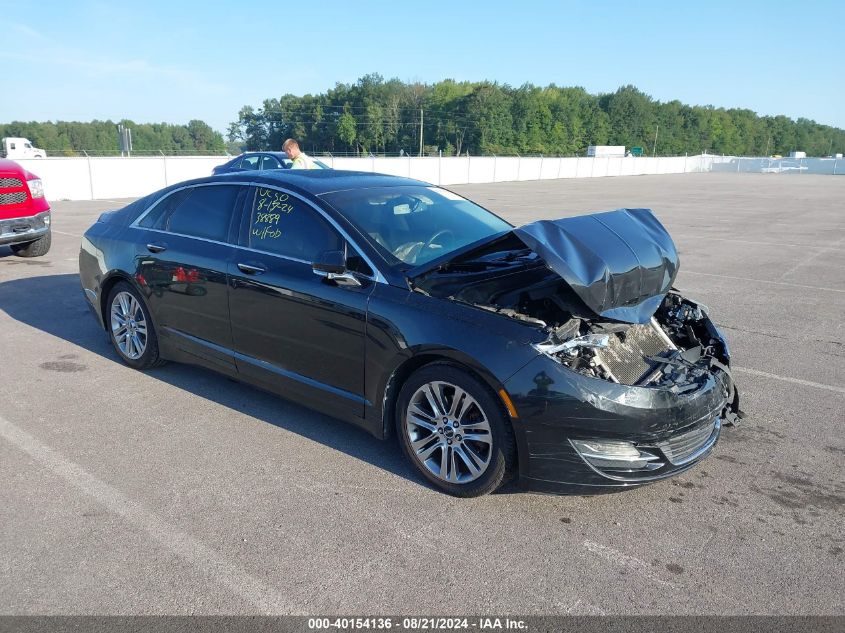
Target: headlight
{"type": "Point", "coordinates": [36, 188]}
{"type": "Point", "coordinates": [570, 346]}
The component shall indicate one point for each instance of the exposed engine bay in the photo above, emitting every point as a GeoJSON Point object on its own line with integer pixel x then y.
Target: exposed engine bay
{"type": "Point", "coordinates": [676, 349]}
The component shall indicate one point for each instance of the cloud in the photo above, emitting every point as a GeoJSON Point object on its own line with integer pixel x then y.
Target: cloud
{"type": "Point", "coordinates": [109, 67]}
{"type": "Point", "coordinates": [28, 31]}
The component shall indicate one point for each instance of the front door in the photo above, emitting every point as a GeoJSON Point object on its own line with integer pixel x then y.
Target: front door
{"type": "Point", "coordinates": [295, 332]}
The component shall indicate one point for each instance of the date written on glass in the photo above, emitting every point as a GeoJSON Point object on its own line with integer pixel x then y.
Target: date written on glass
{"type": "Point", "coordinates": [271, 201]}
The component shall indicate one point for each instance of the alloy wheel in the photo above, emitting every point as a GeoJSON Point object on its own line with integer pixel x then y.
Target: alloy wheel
{"type": "Point", "coordinates": [128, 325]}
{"type": "Point", "coordinates": [448, 432]}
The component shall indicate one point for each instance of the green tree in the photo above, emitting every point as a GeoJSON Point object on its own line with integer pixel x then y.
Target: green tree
{"type": "Point", "coordinates": [346, 131]}
{"type": "Point", "coordinates": [486, 117]}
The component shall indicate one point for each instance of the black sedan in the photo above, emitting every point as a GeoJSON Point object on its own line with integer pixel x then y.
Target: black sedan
{"type": "Point", "coordinates": [557, 351]}
{"type": "Point", "coordinates": [260, 161]}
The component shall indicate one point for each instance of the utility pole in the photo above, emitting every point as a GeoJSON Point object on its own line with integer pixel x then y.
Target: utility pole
{"type": "Point", "coordinates": [654, 147]}
{"type": "Point", "coordinates": [768, 140]}
{"type": "Point", "coordinates": [421, 131]}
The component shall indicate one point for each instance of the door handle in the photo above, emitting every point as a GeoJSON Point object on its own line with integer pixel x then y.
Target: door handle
{"type": "Point", "coordinates": [251, 269]}
{"type": "Point", "coordinates": [156, 248]}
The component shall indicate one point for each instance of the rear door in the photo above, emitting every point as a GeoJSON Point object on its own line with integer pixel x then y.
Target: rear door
{"type": "Point", "coordinates": [185, 247]}
{"type": "Point", "coordinates": [293, 331]}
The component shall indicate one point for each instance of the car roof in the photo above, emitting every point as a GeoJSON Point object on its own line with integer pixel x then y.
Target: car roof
{"type": "Point", "coordinates": [261, 151]}
{"type": "Point", "coordinates": [319, 181]}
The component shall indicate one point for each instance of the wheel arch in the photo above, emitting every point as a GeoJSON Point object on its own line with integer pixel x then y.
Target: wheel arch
{"type": "Point", "coordinates": [109, 282]}
{"type": "Point", "coordinates": [421, 359]}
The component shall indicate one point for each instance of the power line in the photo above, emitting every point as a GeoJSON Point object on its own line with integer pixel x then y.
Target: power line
{"type": "Point", "coordinates": [385, 109]}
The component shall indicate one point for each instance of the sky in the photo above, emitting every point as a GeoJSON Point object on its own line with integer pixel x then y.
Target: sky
{"type": "Point", "coordinates": [175, 61]}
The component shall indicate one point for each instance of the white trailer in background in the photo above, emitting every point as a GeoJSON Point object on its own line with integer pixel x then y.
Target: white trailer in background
{"type": "Point", "coordinates": [798, 154]}
{"type": "Point", "coordinates": [602, 151]}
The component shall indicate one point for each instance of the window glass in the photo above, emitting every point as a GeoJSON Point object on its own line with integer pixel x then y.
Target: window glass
{"type": "Point", "coordinates": [197, 211]}
{"type": "Point", "coordinates": [250, 162]}
{"type": "Point", "coordinates": [411, 225]}
{"type": "Point", "coordinates": [155, 218]}
{"type": "Point", "coordinates": [285, 225]}
{"type": "Point", "coordinates": [270, 162]}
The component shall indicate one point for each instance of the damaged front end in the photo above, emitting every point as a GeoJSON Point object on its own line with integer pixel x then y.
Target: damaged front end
{"type": "Point", "coordinates": [678, 350]}
{"type": "Point", "coordinates": [655, 385]}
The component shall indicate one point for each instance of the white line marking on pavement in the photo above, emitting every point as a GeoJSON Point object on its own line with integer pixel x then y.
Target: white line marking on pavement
{"type": "Point", "coordinates": [241, 583]}
{"type": "Point", "coordinates": [797, 381]}
{"type": "Point", "coordinates": [763, 281]}
{"type": "Point", "coordinates": [70, 234]}
{"type": "Point", "coordinates": [623, 560]}
{"type": "Point", "coordinates": [811, 258]}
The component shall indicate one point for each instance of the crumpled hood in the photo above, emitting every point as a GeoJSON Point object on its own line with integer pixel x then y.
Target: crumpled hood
{"type": "Point", "coordinates": [620, 263]}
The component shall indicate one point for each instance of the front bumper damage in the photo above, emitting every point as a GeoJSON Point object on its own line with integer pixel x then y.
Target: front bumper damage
{"type": "Point", "coordinates": [582, 434]}
{"type": "Point", "coordinates": [632, 383]}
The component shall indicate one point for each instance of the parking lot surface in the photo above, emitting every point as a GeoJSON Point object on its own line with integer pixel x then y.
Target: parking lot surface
{"type": "Point", "coordinates": [179, 491]}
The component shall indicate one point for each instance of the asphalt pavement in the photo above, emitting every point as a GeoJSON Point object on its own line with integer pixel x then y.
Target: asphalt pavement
{"type": "Point", "coordinates": [179, 491]}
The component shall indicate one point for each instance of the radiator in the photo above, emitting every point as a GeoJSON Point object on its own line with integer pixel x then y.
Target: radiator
{"type": "Point", "coordinates": [626, 357]}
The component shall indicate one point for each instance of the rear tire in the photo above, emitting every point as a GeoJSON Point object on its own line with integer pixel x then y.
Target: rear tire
{"type": "Point", "coordinates": [34, 249]}
{"type": "Point", "coordinates": [455, 431]}
{"type": "Point", "coordinates": [130, 328]}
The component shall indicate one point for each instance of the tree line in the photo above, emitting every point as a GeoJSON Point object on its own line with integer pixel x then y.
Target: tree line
{"type": "Point", "coordinates": [482, 118]}
{"type": "Point", "coordinates": [97, 138]}
{"type": "Point", "coordinates": [378, 116]}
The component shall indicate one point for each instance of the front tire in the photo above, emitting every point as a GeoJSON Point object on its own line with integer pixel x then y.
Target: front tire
{"type": "Point", "coordinates": [131, 329]}
{"type": "Point", "coordinates": [34, 249]}
{"type": "Point", "coordinates": [454, 430]}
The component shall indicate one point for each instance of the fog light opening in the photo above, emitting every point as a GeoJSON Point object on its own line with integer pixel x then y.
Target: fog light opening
{"type": "Point", "coordinates": [615, 454]}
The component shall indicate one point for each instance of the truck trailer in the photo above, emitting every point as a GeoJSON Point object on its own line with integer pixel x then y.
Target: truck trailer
{"type": "Point", "coordinates": [602, 151]}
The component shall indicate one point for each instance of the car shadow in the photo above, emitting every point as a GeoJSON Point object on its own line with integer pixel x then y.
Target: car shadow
{"type": "Point", "coordinates": [55, 305]}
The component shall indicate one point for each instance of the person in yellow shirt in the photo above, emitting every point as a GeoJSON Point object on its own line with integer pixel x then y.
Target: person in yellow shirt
{"type": "Point", "coordinates": [300, 159]}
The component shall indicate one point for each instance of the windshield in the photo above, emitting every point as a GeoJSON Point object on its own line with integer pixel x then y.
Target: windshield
{"type": "Point", "coordinates": [414, 224]}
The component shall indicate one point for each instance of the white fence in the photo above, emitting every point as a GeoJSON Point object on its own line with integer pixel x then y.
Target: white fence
{"type": "Point", "coordinates": [104, 178]}
{"type": "Point", "coordinates": [825, 166]}
{"type": "Point", "coordinates": [482, 169]}
{"type": "Point", "coordinates": [116, 177]}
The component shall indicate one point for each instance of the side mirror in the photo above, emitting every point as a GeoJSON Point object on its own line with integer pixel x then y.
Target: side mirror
{"type": "Point", "coordinates": [332, 266]}
{"type": "Point", "coordinates": [330, 262]}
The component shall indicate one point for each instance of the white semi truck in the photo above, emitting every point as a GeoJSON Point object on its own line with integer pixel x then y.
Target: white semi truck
{"type": "Point", "coordinates": [18, 147]}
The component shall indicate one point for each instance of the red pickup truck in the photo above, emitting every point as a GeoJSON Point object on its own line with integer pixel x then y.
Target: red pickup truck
{"type": "Point", "coordinates": [24, 213]}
